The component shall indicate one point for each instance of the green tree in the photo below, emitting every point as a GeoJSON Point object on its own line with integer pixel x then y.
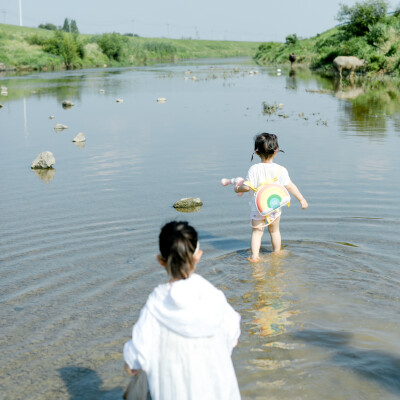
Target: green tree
{"type": "Point", "coordinates": [291, 39]}
{"type": "Point", "coordinates": [359, 18]}
{"type": "Point", "coordinates": [74, 27]}
{"type": "Point", "coordinates": [66, 26]}
{"type": "Point", "coordinates": [112, 45]}
{"type": "Point", "coordinates": [65, 45]}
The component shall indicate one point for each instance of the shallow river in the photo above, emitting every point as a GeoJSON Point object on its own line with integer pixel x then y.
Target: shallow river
{"type": "Point", "coordinates": [78, 243]}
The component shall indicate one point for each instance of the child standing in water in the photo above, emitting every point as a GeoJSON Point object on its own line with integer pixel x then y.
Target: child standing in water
{"type": "Point", "coordinates": [185, 333]}
{"type": "Point", "coordinates": [266, 147]}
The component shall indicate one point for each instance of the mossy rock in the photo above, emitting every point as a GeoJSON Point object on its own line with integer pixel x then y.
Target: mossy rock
{"type": "Point", "coordinates": [188, 202]}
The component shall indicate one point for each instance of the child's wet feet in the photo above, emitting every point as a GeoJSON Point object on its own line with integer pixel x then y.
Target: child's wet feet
{"type": "Point", "coordinates": [254, 260]}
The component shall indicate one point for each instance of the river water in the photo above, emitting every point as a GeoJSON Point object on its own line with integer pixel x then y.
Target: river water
{"type": "Point", "coordinates": [78, 243]}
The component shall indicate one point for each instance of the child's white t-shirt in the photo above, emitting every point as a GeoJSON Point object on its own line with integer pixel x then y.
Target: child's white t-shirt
{"type": "Point", "coordinates": [262, 172]}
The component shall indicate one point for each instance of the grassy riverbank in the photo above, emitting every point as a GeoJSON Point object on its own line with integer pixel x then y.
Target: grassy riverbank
{"type": "Point", "coordinates": [380, 47]}
{"type": "Point", "coordinates": [25, 48]}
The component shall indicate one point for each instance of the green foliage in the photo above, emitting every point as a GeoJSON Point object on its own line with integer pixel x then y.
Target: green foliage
{"type": "Point", "coordinates": [70, 26]}
{"type": "Point", "coordinates": [67, 46]}
{"type": "Point", "coordinates": [112, 45]}
{"type": "Point", "coordinates": [378, 34]}
{"type": "Point", "coordinates": [291, 39]}
{"type": "Point", "coordinates": [393, 49]}
{"type": "Point", "coordinates": [160, 47]}
{"type": "Point", "coordinates": [33, 48]}
{"type": "Point", "coordinates": [65, 27]}
{"type": "Point", "coordinates": [74, 27]}
{"type": "Point", "coordinates": [376, 62]}
{"type": "Point", "coordinates": [356, 46]}
{"type": "Point", "coordinates": [37, 40]}
{"type": "Point", "coordinates": [48, 26]}
{"type": "Point", "coordinates": [361, 16]}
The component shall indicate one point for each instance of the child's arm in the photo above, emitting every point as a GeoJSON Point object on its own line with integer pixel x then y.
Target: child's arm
{"type": "Point", "coordinates": [292, 188]}
{"type": "Point", "coordinates": [241, 188]}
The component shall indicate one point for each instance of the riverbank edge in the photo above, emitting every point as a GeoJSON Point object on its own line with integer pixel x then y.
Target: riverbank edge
{"type": "Point", "coordinates": [21, 50]}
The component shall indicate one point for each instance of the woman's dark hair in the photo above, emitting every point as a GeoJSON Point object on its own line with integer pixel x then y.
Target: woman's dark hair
{"type": "Point", "coordinates": [265, 144]}
{"type": "Point", "coordinates": [178, 242]}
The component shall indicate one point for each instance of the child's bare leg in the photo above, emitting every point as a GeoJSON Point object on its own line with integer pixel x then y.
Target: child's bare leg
{"type": "Point", "coordinates": [275, 235]}
{"type": "Point", "coordinates": [256, 236]}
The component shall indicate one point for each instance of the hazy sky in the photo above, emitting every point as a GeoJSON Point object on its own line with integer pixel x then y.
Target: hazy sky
{"type": "Point", "coordinates": [256, 20]}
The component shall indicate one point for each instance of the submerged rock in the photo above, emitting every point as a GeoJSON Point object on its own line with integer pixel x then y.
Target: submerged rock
{"type": "Point", "coordinates": [188, 202]}
{"type": "Point", "coordinates": [67, 104]}
{"type": "Point", "coordinates": [1, 105]}
{"type": "Point", "coordinates": [161, 100]}
{"type": "Point", "coordinates": [80, 137]}
{"type": "Point", "coordinates": [51, 116]}
{"type": "Point", "coordinates": [44, 160]}
{"type": "Point", "coordinates": [119, 100]}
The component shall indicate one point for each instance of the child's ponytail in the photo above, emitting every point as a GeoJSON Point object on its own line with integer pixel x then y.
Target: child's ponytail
{"type": "Point", "coordinates": [178, 241]}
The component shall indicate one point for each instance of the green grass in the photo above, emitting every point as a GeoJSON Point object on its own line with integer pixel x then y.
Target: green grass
{"type": "Point", "coordinates": [20, 48]}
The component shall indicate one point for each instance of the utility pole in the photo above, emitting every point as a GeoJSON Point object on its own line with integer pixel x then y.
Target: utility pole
{"type": "Point", "coordinates": [20, 13]}
{"type": "Point", "coordinates": [4, 15]}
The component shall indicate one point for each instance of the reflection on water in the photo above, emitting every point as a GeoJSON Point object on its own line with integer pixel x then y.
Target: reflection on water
{"type": "Point", "coordinates": [270, 309]}
{"type": "Point", "coordinates": [46, 175]}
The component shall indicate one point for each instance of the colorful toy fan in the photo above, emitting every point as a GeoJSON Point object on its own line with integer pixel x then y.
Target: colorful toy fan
{"type": "Point", "coordinates": [270, 197]}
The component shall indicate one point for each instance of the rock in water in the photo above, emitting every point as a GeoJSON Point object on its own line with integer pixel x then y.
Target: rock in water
{"type": "Point", "coordinates": [80, 137]}
{"type": "Point", "coordinates": [67, 103]}
{"type": "Point", "coordinates": [60, 127]}
{"type": "Point", "coordinates": [188, 202]}
{"type": "Point", "coordinates": [44, 160]}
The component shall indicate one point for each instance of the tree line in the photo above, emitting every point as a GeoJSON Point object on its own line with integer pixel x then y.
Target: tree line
{"type": "Point", "coordinates": [69, 26]}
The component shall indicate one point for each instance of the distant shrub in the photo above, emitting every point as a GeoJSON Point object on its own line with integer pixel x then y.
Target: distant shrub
{"type": "Point", "coordinates": [360, 17]}
{"type": "Point", "coordinates": [112, 45]}
{"type": "Point", "coordinates": [37, 40]}
{"type": "Point", "coordinates": [376, 62]}
{"type": "Point", "coordinates": [48, 26]}
{"type": "Point", "coordinates": [291, 39]}
{"type": "Point", "coordinates": [356, 46]}
{"type": "Point", "coordinates": [378, 34]}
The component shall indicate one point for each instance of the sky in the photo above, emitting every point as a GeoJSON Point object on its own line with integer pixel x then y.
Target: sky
{"type": "Point", "coordinates": [256, 20]}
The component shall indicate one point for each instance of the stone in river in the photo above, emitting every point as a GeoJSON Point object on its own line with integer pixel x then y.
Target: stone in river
{"type": "Point", "coordinates": [67, 103]}
{"type": "Point", "coordinates": [80, 137]}
{"type": "Point", "coordinates": [43, 161]}
{"type": "Point", "coordinates": [188, 202]}
{"type": "Point", "coordinates": [60, 127]}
